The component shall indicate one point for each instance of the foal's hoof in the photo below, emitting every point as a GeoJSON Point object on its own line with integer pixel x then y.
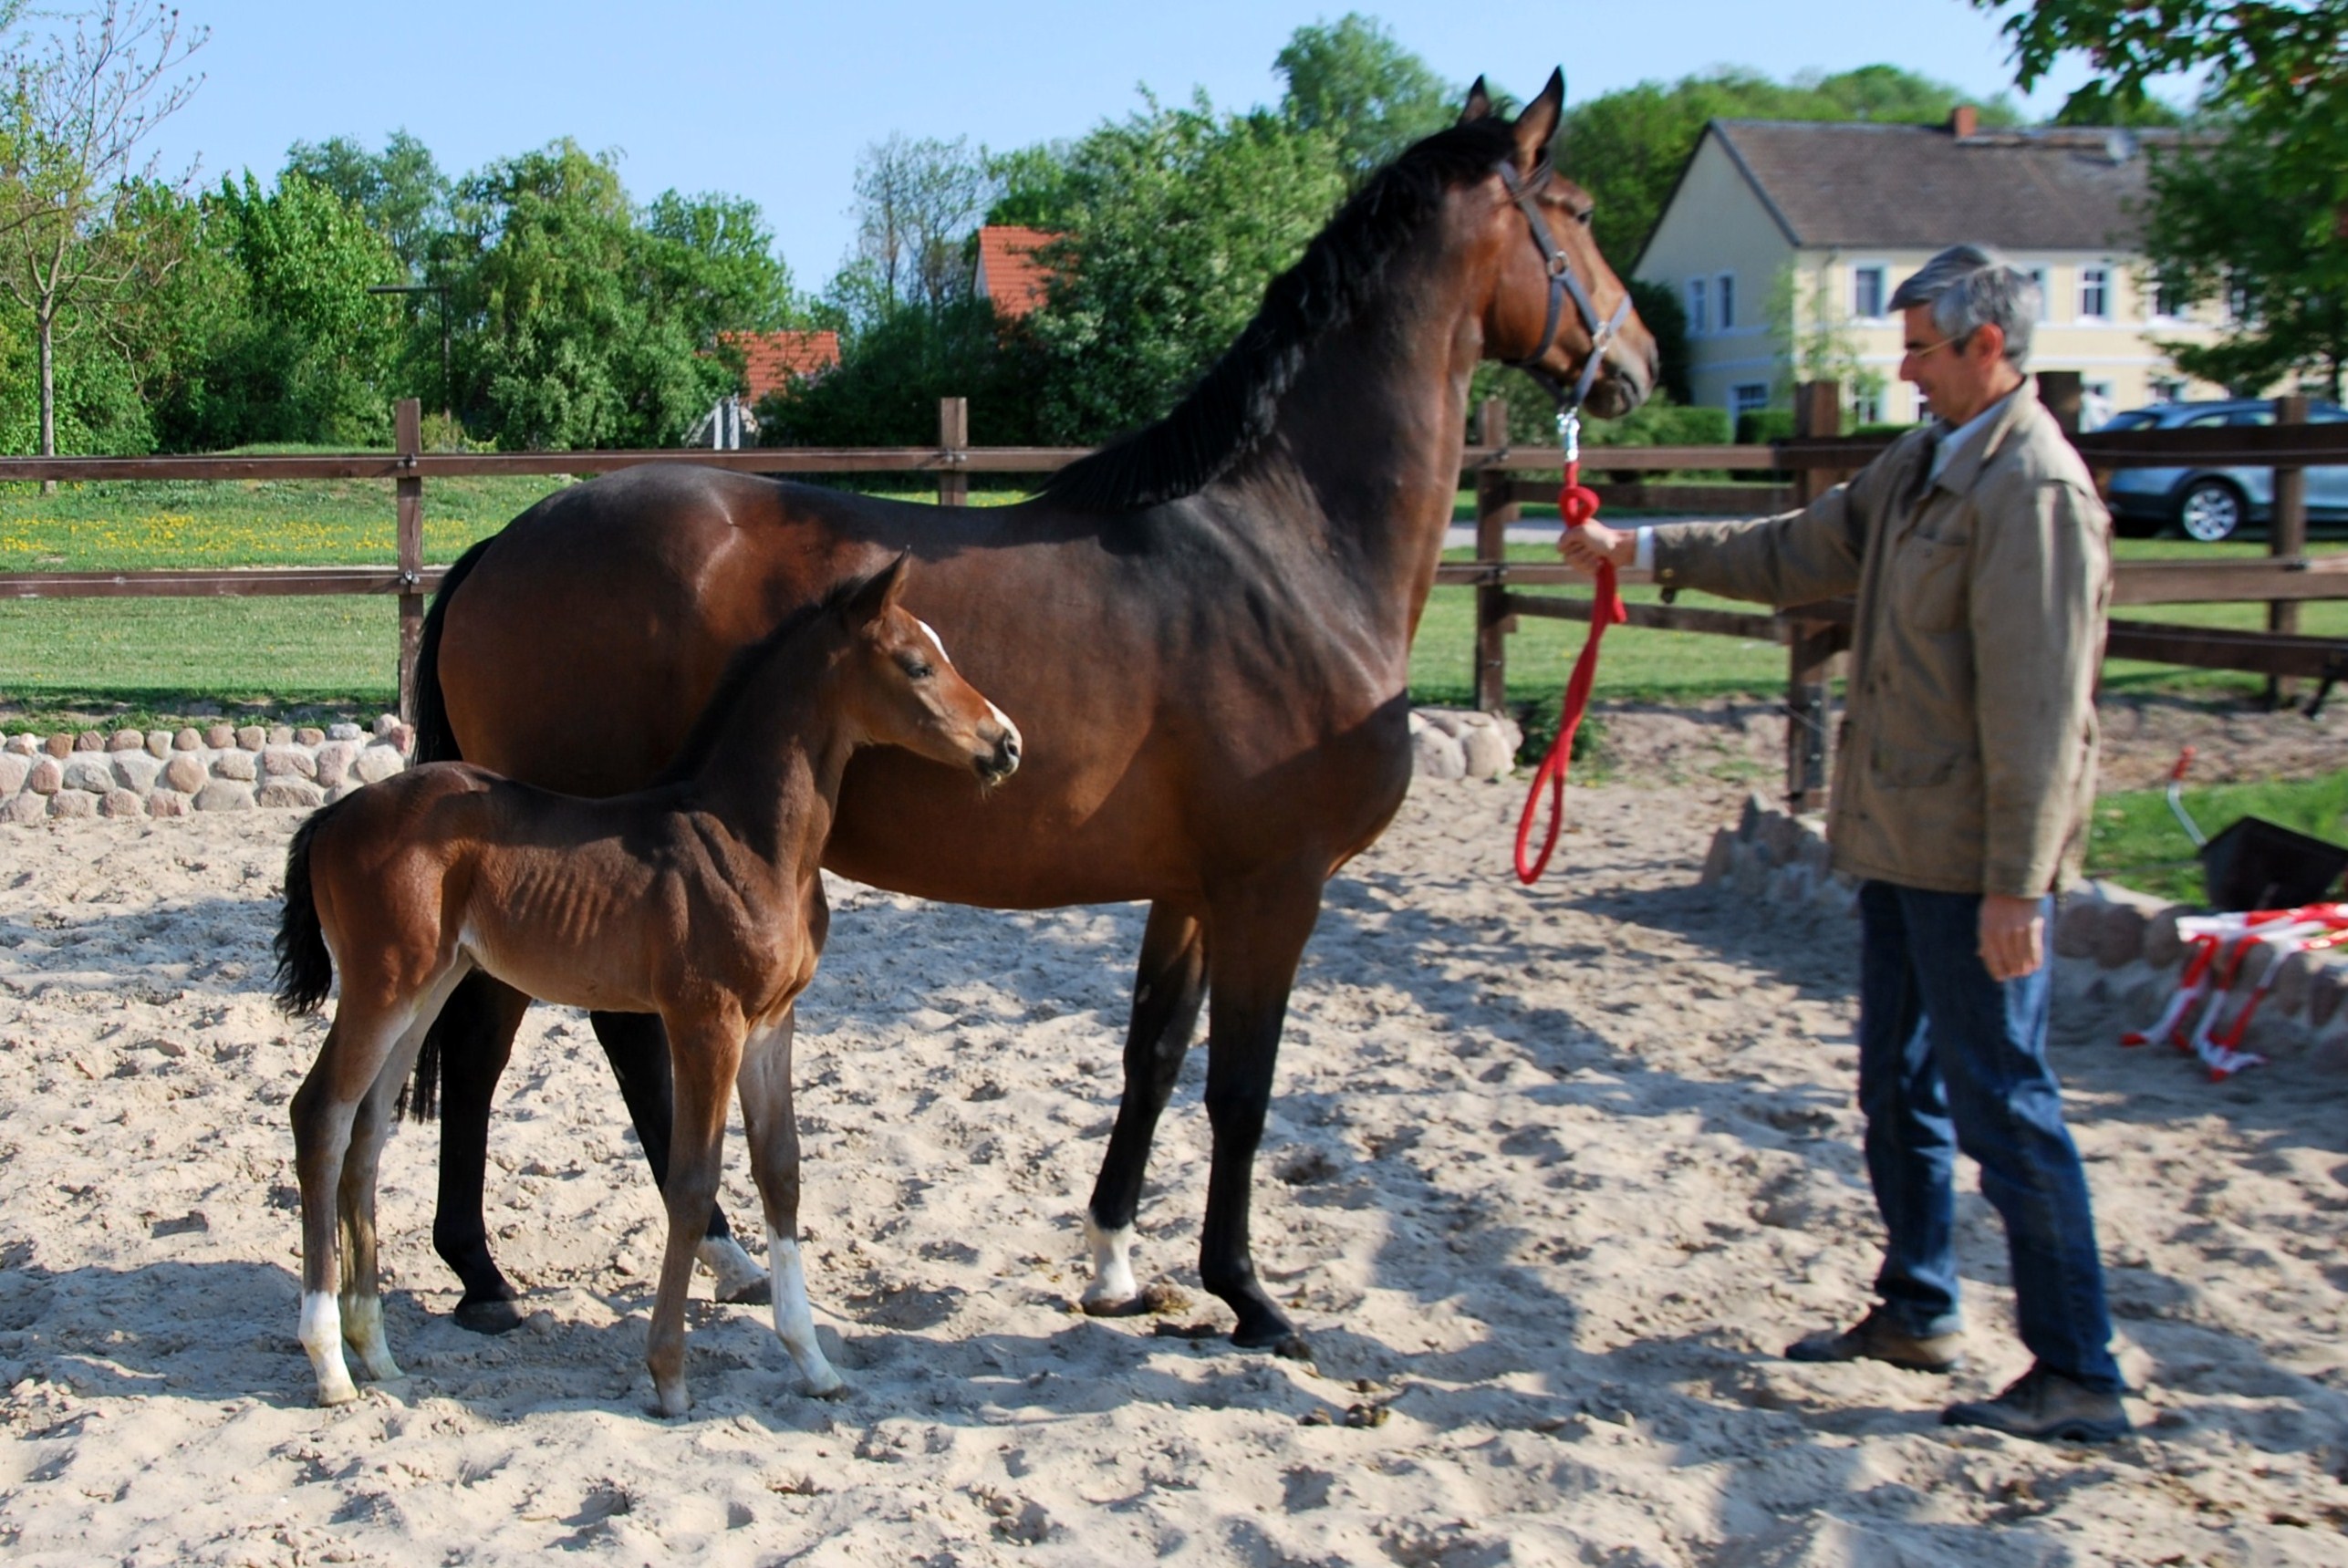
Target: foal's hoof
{"type": "Point", "coordinates": [1157, 1299]}
{"type": "Point", "coordinates": [759, 1291]}
{"type": "Point", "coordinates": [492, 1317]}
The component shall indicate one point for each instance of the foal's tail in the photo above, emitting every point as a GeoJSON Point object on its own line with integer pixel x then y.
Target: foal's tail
{"type": "Point", "coordinates": [304, 967]}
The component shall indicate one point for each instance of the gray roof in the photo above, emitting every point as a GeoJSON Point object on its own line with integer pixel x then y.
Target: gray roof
{"type": "Point", "coordinates": [1918, 186]}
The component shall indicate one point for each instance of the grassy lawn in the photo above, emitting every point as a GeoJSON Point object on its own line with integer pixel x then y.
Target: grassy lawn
{"type": "Point", "coordinates": [139, 660]}
{"type": "Point", "coordinates": [2135, 841]}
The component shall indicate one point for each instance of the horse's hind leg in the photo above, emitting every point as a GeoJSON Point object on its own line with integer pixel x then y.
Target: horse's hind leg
{"type": "Point", "coordinates": [638, 1048]}
{"type": "Point", "coordinates": [363, 1300]}
{"type": "Point", "coordinates": [1168, 986]}
{"type": "Point", "coordinates": [323, 1111]}
{"type": "Point", "coordinates": [476, 1039]}
{"type": "Point", "coordinates": [707, 1053]}
{"type": "Point", "coordinates": [771, 1123]}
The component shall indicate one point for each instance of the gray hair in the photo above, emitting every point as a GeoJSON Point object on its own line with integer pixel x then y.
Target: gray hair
{"type": "Point", "coordinates": [1967, 287]}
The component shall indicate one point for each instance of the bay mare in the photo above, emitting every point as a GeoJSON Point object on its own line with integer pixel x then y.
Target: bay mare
{"type": "Point", "coordinates": [1207, 626]}
{"type": "Point", "coordinates": [698, 899]}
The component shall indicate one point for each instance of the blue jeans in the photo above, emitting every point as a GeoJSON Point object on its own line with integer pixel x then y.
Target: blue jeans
{"type": "Point", "coordinates": [1950, 1059]}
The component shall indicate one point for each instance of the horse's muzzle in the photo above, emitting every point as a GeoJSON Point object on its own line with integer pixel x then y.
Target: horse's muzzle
{"type": "Point", "coordinates": [1001, 763]}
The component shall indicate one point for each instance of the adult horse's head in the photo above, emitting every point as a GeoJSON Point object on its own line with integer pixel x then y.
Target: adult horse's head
{"type": "Point", "coordinates": [1557, 310]}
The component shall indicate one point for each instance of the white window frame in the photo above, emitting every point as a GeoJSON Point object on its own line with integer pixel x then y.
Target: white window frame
{"type": "Point", "coordinates": [1699, 321]}
{"type": "Point", "coordinates": [1882, 311]}
{"type": "Point", "coordinates": [2167, 389]}
{"type": "Point", "coordinates": [1725, 300]}
{"type": "Point", "coordinates": [2156, 303]}
{"type": "Point", "coordinates": [2096, 287]}
{"type": "Point", "coordinates": [1867, 407]}
{"type": "Point", "coordinates": [1747, 398]}
{"type": "Point", "coordinates": [2041, 277]}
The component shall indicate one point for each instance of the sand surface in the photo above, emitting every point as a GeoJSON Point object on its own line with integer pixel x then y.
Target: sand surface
{"type": "Point", "coordinates": [1550, 1178]}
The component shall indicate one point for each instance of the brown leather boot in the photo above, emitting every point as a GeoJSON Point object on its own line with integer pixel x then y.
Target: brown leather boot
{"type": "Point", "coordinates": [1876, 1337]}
{"type": "Point", "coordinates": [2045, 1405]}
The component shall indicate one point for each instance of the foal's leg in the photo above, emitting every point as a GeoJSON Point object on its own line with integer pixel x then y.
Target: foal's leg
{"type": "Point", "coordinates": [476, 1029]}
{"type": "Point", "coordinates": [771, 1126]}
{"type": "Point", "coordinates": [363, 1300]}
{"type": "Point", "coordinates": [707, 1054]}
{"type": "Point", "coordinates": [357, 1044]}
{"type": "Point", "coordinates": [1260, 928]}
{"type": "Point", "coordinates": [1167, 987]}
{"type": "Point", "coordinates": [637, 1050]}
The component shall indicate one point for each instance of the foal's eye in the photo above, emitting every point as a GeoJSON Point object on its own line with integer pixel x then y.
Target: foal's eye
{"type": "Point", "coordinates": [916, 669]}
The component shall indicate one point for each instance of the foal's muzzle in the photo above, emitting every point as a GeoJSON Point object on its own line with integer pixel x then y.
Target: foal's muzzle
{"type": "Point", "coordinates": [1003, 762]}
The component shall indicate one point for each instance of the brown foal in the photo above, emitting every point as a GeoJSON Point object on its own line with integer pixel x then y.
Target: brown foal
{"type": "Point", "coordinates": [699, 899]}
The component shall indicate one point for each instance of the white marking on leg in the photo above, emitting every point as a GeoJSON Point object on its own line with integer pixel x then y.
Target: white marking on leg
{"type": "Point", "coordinates": [321, 1334]}
{"type": "Point", "coordinates": [362, 1329]}
{"type": "Point", "coordinates": [794, 1320]}
{"type": "Point", "coordinates": [1113, 1281]}
{"type": "Point", "coordinates": [734, 1269]}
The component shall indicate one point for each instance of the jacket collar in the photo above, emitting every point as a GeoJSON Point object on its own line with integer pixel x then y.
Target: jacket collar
{"type": "Point", "coordinates": [2020, 406]}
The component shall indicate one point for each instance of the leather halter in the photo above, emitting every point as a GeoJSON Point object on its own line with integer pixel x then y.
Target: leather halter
{"type": "Point", "coordinates": [1562, 284]}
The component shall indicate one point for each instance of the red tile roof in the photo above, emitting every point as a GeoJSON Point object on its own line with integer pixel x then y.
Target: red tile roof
{"type": "Point", "coordinates": [1008, 272]}
{"type": "Point", "coordinates": [772, 360]}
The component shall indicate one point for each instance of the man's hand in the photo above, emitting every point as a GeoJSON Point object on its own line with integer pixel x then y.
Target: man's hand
{"type": "Point", "coordinates": [1584, 547]}
{"type": "Point", "coordinates": [2013, 935]}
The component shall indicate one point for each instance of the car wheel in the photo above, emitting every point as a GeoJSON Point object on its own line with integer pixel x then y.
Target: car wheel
{"type": "Point", "coordinates": [2210, 510]}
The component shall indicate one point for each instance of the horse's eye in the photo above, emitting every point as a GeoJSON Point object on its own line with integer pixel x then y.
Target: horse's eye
{"type": "Point", "coordinates": [916, 669]}
{"type": "Point", "coordinates": [1584, 217]}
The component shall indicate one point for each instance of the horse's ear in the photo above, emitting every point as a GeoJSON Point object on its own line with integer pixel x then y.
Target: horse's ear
{"type": "Point", "coordinates": [1537, 126]}
{"type": "Point", "coordinates": [1480, 103]}
{"type": "Point", "coordinates": [878, 593]}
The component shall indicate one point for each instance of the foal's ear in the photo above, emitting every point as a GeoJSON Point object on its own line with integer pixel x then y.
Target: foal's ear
{"type": "Point", "coordinates": [879, 592]}
{"type": "Point", "coordinates": [1537, 126]}
{"type": "Point", "coordinates": [1480, 103]}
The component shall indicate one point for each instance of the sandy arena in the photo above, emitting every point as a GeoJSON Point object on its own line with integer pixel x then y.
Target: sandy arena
{"type": "Point", "coordinates": [1550, 1178]}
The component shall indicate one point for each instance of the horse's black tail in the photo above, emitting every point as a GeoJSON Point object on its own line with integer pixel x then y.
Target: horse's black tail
{"type": "Point", "coordinates": [304, 967]}
{"type": "Point", "coordinates": [435, 741]}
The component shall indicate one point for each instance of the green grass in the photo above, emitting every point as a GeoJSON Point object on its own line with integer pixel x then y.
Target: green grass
{"type": "Point", "coordinates": [2135, 841]}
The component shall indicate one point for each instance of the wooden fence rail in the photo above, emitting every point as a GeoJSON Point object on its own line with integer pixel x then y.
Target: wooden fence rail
{"type": "Point", "coordinates": [1817, 457]}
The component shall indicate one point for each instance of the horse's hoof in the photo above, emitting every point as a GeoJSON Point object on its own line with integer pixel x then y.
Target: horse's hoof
{"type": "Point", "coordinates": [673, 1402]}
{"type": "Point", "coordinates": [759, 1291]}
{"type": "Point", "coordinates": [836, 1389]}
{"type": "Point", "coordinates": [1157, 1299]}
{"type": "Point", "coordinates": [488, 1317]}
{"type": "Point", "coordinates": [1279, 1338]}
{"type": "Point", "coordinates": [341, 1394]}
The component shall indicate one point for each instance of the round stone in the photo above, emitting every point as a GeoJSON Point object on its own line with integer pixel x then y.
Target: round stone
{"type": "Point", "coordinates": [2075, 928]}
{"type": "Point", "coordinates": [89, 771]}
{"type": "Point", "coordinates": [297, 791]}
{"type": "Point", "coordinates": [1438, 755]}
{"type": "Point", "coordinates": [136, 771]}
{"type": "Point", "coordinates": [21, 745]}
{"type": "Point", "coordinates": [333, 763]}
{"type": "Point", "coordinates": [2120, 937]}
{"type": "Point", "coordinates": [187, 739]}
{"type": "Point", "coordinates": [345, 732]}
{"type": "Point", "coordinates": [126, 741]}
{"type": "Point", "coordinates": [89, 740]}
{"type": "Point", "coordinates": [47, 777]}
{"type": "Point", "coordinates": [122, 803]}
{"type": "Point", "coordinates": [281, 734]}
{"type": "Point", "coordinates": [402, 738]}
{"type": "Point", "coordinates": [309, 736]}
{"type": "Point", "coordinates": [376, 763]}
{"type": "Point", "coordinates": [251, 737]}
{"type": "Point", "coordinates": [21, 808]}
{"type": "Point", "coordinates": [218, 737]}
{"type": "Point", "coordinates": [58, 745]}
{"type": "Point", "coordinates": [73, 803]}
{"type": "Point", "coordinates": [185, 773]}
{"type": "Point", "coordinates": [167, 803]}
{"type": "Point", "coordinates": [288, 762]}
{"type": "Point", "coordinates": [158, 744]}
{"type": "Point", "coordinates": [13, 769]}
{"type": "Point", "coordinates": [383, 722]}
{"type": "Point", "coordinates": [225, 795]}
{"type": "Point", "coordinates": [238, 765]}
{"type": "Point", "coordinates": [1486, 753]}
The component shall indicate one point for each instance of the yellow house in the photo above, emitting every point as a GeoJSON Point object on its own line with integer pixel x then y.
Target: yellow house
{"type": "Point", "coordinates": [1785, 238]}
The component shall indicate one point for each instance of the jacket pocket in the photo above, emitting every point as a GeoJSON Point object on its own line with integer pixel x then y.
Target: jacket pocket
{"type": "Point", "coordinates": [1916, 765]}
{"type": "Point", "coordinates": [1928, 583]}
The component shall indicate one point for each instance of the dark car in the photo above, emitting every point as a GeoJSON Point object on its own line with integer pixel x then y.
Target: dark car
{"type": "Point", "coordinates": [2214, 504]}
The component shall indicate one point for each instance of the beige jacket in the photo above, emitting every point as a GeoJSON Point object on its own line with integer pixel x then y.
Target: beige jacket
{"type": "Point", "coordinates": [1966, 762]}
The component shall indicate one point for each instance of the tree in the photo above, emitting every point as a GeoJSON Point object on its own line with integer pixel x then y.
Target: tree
{"type": "Point", "coordinates": [916, 203]}
{"type": "Point", "coordinates": [2256, 210]}
{"type": "Point", "coordinates": [78, 108]}
{"type": "Point", "coordinates": [400, 191]}
{"type": "Point", "coordinates": [1352, 81]}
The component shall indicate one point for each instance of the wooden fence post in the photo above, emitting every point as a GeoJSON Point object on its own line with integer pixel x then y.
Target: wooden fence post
{"type": "Point", "coordinates": [953, 437]}
{"type": "Point", "coordinates": [2287, 540]}
{"type": "Point", "coordinates": [407, 491]}
{"type": "Point", "coordinates": [1817, 413]}
{"type": "Point", "coordinates": [1495, 510]}
{"type": "Point", "coordinates": [2064, 393]}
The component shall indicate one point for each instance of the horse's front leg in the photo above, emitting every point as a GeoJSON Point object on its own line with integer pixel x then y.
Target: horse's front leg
{"type": "Point", "coordinates": [1169, 984]}
{"type": "Point", "coordinates": [770, 1120]}
{"type": "Point", "coordinates": [705, 1052]}
{"type": "Point", "coordinates": [1260, 931]}
{"type": "Point", "coordinates": [472, 1041]}
{"type": "Point", "coordinates": [638, 1049]}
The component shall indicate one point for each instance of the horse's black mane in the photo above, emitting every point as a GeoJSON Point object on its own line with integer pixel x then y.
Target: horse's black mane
{"type": "Point", "coordinates": [1229, 411]}
{"type": "Point", "coordinates": [717, 718]}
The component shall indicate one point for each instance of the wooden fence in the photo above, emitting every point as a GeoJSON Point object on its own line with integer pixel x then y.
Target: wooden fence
{"type": "Point", "coordinates": [1817, 457]}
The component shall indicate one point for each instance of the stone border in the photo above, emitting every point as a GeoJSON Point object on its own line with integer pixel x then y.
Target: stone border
{"type": "Point", "coordinates": [130, 772]}
{"type": "Point", "coordinates": [2117, 955]}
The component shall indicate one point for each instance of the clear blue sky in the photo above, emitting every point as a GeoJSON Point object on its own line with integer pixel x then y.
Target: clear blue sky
{"type": "Point", "coordinates": [774, 101]}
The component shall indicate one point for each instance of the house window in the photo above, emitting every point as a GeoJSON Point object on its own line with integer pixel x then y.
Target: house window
{"type": "Point", "coordinates": [1867, 293]}
{"type": "Point", "coordinates": [1867, 406]}
{"type": "Point", "coordinates": [1748, 397]}
{"type": "Point", "coordinates": [1728, 301]}
{"type": "Point", "coordinates": [2164, 300]}
{"type": "Point", "coordinates": [2167, 389]}
{"type": "Point", "coordinates": [1696, 322]}
{"type": "Point", "coordinates": [2094, 293]}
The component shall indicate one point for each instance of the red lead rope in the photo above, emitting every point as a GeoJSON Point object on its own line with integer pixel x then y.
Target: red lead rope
{"type": "Point", "coordinates": [1577, 503]}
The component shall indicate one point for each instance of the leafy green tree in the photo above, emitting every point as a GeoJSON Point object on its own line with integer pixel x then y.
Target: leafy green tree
{"type": "Point", "coordinates": [917, 202]}
{"type": "Point", "coordinates": [2256, 210]}
{"type": "Point", "coordinates": [1628, 147]}
{"type": "Point", "coordinates": [1352, 81]}
{"type": "Point", "coordinates": [400, 191]}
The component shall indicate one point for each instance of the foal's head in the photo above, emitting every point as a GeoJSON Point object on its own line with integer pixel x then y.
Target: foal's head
{"type": "Point", "coordinates": [901, 689]}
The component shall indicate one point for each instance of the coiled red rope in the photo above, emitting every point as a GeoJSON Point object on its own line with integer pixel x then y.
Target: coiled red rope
{"type": "Point", "coordinates": [1577, 503]}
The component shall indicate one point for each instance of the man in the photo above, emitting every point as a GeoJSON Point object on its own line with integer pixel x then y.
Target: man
{"type": "Point", "coordinates": [1979, 554]}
